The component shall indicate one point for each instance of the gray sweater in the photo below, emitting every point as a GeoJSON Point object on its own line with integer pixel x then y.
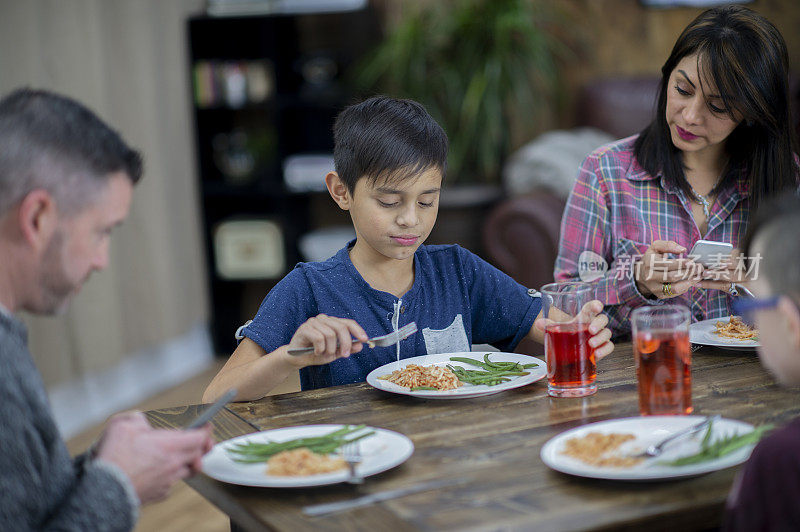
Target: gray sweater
{"type": "Point", "coordinates": [41, 486]}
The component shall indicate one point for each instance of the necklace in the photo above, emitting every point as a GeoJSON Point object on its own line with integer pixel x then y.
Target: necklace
{"type": "Point", "coordinates": [703, 200]}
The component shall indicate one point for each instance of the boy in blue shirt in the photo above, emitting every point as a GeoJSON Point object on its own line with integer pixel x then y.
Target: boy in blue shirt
{"type": "Point", "coordinates": [390, 158]}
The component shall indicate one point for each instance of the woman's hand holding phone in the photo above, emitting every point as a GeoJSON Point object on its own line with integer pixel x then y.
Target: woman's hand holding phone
{"type": "Point", "coordinates": [659, 276]}
{"type": "Point", "coordinates": [731, 271]}
{"type": "Point", "coordinates": [724, 266]}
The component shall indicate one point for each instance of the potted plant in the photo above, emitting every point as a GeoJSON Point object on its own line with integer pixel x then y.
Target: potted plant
{"type": "Point", "coordinates": [486, 71]}
{"type": "Point", "coordinates": [476, 65]}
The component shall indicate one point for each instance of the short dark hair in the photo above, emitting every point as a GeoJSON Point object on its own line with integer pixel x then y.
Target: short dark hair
{"type": "Point", "coordinates": [746, 57]}
{"type": "Point", "coordinates": [775, 223]}
{"type": "Point", "coordinates": [389, 138]}
{"type": "Point", "coordinates": [53, 142]}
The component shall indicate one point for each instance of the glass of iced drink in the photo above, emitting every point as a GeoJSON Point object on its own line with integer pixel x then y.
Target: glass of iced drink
{"type": "Point", "coordinates": [571, 365]}
{"type": "Point", "coordinates": [663, 358]}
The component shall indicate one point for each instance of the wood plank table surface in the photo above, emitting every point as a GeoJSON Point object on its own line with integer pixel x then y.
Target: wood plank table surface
{"type": "Point", "coordinates": [494, 441]}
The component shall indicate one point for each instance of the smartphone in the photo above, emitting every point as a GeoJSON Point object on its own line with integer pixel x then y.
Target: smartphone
{"type": "Point", "coordinates": [709, 253]}
{"type": "Point", "coordinates": [212, 410]}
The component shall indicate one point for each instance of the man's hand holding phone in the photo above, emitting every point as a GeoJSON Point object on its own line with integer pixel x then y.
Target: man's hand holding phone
{"type": "Point", "coordinates": [153, 459]}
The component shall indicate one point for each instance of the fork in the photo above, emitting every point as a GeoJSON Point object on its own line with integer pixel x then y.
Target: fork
{"type": "Point", "coordinates": [379, 341]}
{"type": "Point", "coordinates": [742, 288]}
{"type": "Point", "coordinates": [657, 448]}
{"type": "Point", "coordinates": [351, 453]}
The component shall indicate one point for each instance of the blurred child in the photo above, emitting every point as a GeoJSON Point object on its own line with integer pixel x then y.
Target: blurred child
{"type": "Point", "coordinates": [390, 159]}
{"type": "Point", "coordinates": [766, 494]}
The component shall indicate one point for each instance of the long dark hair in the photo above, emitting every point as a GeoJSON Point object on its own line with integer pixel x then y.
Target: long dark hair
{"type": "Point", "coordinates": [745, 56]}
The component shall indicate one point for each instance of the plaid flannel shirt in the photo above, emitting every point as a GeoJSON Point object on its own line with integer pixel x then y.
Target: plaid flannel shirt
{"type": "Point", "coordinates": [616, 210]}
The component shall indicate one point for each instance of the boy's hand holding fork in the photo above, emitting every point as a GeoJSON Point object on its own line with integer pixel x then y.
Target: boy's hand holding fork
{"type": "Point", "coordinates": [332, 338]}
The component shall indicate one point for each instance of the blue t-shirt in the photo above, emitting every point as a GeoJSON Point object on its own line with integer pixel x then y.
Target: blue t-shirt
{"type": "Point", "coordinates": [457, 299]}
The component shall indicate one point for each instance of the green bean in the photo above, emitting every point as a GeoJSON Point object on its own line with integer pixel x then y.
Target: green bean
{"type": "Point", "coordinates": [469, 361]}
{"type": "Point", "coordinates": [499, 373]}
{"type": "Point", "coordinates": [485, 379]}
{"type": "Point", "coordinates": [482, 380]}
{"type": "Point", "coordinates": [707, 436]}
{"type": "Point", "coordinates": [510, 366]}
{"type": "Point", "coordinates": [514, 373]}
{"type": "Point", "coordinates": [423, 388]}
{"type": "Point", "coordinates": [496, 365]}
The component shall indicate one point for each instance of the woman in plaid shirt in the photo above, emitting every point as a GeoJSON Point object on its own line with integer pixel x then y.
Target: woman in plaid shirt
{"type": "Point", "coordinates": [721, 142]}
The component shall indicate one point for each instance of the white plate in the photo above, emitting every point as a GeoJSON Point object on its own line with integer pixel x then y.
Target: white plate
{"type": "Point", "coordinates": [702, 333]}
{"type": "Point", "coordinates": [466, 390]}
{"type": "Point", "coordinates": [648, 430]}
{"type": "Point", "coordinates": [383, 450]}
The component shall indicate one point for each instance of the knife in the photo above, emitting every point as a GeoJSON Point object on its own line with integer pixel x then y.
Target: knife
{"type": "Point", "coordinates": [316, 510]}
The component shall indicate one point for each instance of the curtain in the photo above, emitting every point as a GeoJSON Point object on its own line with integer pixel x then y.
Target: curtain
{"type": "Point", "coordinates": [127, 60]}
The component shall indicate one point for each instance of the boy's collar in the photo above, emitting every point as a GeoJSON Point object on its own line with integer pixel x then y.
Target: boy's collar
{"type": "Point", "coordinates": [343, 255]}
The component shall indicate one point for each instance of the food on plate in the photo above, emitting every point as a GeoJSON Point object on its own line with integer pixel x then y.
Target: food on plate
{"type": "Point", "coordinates": [597, 449]}
{"type": "Point", "coordinates": [493, 373]}
{"type": "Point", "coordinates": [712, 450]}
{"type": "Point", "coordinates": [736, 329]}
{"type": "Point", "coordinates": [450, 377]}
{"type": "Point", "coordinates": [253, 452]}
{"type": "Point", "coordinates": [422, 377]}
{"type": "Point", "coordinates": [303, 462]}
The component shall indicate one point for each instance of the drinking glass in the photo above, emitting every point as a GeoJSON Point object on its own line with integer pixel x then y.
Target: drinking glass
{"type": "Point", "coordinates": [571, 365]}
{"type": "Point", "coordinates": [663, 358]}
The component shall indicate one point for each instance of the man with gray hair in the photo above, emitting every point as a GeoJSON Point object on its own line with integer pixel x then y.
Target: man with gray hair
{"type": "Point", "coordinates": [66, 180]}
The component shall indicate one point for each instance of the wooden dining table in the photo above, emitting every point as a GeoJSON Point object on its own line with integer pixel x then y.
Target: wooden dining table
{"type": "Point", "coordinates": [489, 447]}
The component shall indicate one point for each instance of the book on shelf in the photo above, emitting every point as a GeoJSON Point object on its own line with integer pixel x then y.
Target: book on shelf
{"type": "Point", "coordinates": [232, 84]}
{"type": "Point", "coordinates": [234, 8]}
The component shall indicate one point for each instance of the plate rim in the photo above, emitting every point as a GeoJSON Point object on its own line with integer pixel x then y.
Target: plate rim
{"type": "Point", "coordinates": [548, 448]}
{"type": "Point", "coordinates": [372, 377]}
{"type": "Point", "coordinates": [310, 480]}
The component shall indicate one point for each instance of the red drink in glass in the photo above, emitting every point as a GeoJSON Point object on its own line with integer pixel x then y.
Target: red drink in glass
{"type": "Point", "coordinates": [571, 364]}
{"type": "Point", "coordinates": [664, 371]}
